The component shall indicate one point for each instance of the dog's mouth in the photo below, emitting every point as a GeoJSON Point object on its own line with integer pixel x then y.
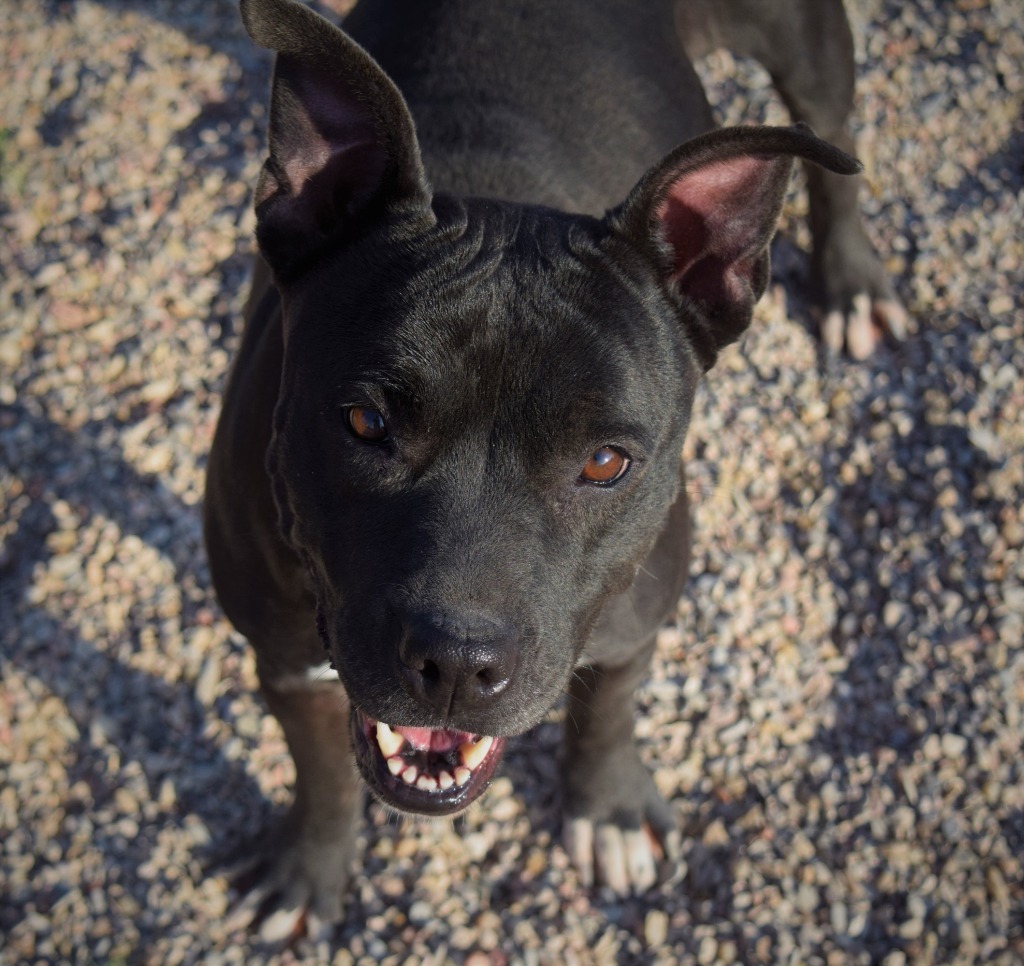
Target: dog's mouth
{"type": "Point", "coordinates": [430, 771]}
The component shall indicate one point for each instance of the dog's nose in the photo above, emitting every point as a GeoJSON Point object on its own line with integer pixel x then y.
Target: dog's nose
{"type": "Point", "coordinates": [455, 665]}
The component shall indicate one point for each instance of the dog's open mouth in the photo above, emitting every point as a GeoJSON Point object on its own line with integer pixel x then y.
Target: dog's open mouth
{"type": "Point", "coordinates": [427, 770]}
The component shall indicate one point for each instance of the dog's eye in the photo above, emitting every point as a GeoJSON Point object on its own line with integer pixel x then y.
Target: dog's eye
{"type": "Point", "coordinates": [606, 466]}
{"type": "Point", "coordinates": [366, 423]}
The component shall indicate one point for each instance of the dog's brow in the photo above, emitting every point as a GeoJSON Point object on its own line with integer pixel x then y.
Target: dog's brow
{"type": "Point", "coordinates": [638, 433]}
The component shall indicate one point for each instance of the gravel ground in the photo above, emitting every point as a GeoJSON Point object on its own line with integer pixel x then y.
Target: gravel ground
{"type": "Point", "coordinates": [837, 718]}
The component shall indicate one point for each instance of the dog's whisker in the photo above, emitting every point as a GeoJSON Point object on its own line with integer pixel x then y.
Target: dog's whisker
{"type": "Point", "coordinates": [572, 718]}
{"type": "Point", "coordinates": [582, 679]}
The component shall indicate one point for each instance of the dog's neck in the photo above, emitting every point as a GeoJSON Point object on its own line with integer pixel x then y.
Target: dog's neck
{"type": "Point", "coordinates": [557, 113]}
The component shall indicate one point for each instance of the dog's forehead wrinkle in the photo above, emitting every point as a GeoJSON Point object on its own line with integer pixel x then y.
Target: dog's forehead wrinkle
{"type": "Point", "coordinates": [515, 424]}
{"type": "Point", "coordinates": [554, 394]}
{"type": "Point", "coordinates": [566, 340]}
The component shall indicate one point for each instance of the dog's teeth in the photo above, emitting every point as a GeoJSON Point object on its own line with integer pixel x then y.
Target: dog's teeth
{"type": "Point", "coordinates": [389, 742]}
{"type": "Point", "coordinates": [395, 765]}
{"type": "Point", "coordinates": [462, 775]}
{"type": "Point", "coordinates": [474, 752]}
{"type": "Point", "coordinates": [426, 784]}
{"type": "Point", "coordinates": [445, 780]}
{"type": "Point", "coordinates": [409, 775]}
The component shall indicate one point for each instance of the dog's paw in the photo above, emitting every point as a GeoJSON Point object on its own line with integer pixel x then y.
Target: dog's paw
{"type": "Point", "coordinates": [862, 325]}
{"type": "Point", "coordinates": [293, 888]}
{"type": "Point", "coordinates": [859, 307]}
{"type": "Point", "coordinates": [626, 860]}
{"type": "Point", "coordinates": [625, 837]}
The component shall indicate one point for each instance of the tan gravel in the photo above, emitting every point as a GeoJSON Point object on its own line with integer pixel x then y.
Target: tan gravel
{"type": "Point", "coordinates": [837, 717]}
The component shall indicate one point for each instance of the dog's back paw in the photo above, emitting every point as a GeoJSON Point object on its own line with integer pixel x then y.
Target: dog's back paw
{"type": "Point", "coordinates": [859, 307]}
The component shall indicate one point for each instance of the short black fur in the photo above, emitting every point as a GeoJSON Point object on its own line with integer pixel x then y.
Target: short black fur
{"type": "Point", "coordinates": [499, 291]}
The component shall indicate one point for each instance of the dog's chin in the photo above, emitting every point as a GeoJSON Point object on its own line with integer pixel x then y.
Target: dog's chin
{"type": "Point", "coordinates": [425, 771]}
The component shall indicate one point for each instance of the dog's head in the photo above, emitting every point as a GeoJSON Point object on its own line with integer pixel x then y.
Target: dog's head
{"type": "Point", "coordinates": [483, 404]}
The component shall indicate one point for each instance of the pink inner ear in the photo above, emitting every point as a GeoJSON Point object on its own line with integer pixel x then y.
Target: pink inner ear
{"type": "Point", "coordinates": [327, 145]}
{"type": "Point", "coordinates": [300, 167]}
{"type": "Point", "coordinates": [713, 216]}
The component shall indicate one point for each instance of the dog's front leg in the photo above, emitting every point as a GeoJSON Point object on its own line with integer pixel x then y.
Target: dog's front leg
{"type": "Point", "coordinates": [615, 821]}
{"type": "Point", "coordinates": [306, 875]}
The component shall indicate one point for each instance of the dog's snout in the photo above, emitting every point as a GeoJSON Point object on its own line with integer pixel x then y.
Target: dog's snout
{"type": "Point", "coordinates": [456, 665]}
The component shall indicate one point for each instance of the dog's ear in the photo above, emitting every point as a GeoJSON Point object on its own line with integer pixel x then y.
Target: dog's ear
{"type": "Point", "coordinates": [343, 145]}
{"type": "Point", "coordinates": [706, 216]}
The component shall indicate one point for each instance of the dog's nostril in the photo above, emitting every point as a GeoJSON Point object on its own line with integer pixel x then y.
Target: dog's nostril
{"type": "Point", "coordinates": [430, 671]}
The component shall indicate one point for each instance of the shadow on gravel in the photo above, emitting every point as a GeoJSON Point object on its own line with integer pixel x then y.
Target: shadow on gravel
{"type": "Point", "coordinates": [908, 529]}
{"type": "Point", "coordinates": [215, 23]}
{"type": "Point", "coordinates": [157, 728]}
{"type": "Point", "coordinates": [1004, 168]}
{"type": "Point", "coordinates": [892, 563]}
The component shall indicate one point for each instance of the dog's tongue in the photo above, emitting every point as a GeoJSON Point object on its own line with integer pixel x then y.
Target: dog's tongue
{"type": "Point", "coordinates": [433, 739]}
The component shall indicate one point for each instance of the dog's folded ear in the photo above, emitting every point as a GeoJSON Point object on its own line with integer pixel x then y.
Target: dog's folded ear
{"type": "Point", "coordinates": [706, 216]}
{"type": "Point", "coordinates": [343, 145]}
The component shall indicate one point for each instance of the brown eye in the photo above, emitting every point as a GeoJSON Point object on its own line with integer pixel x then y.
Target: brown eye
{"type": "Point", "coordinates": [606, 466]}
{"type": "Point", "coordinates": [367, 423]}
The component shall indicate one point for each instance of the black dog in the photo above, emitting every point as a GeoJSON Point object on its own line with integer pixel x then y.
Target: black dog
{"type": "Point", "coordinates": [449, 450]}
